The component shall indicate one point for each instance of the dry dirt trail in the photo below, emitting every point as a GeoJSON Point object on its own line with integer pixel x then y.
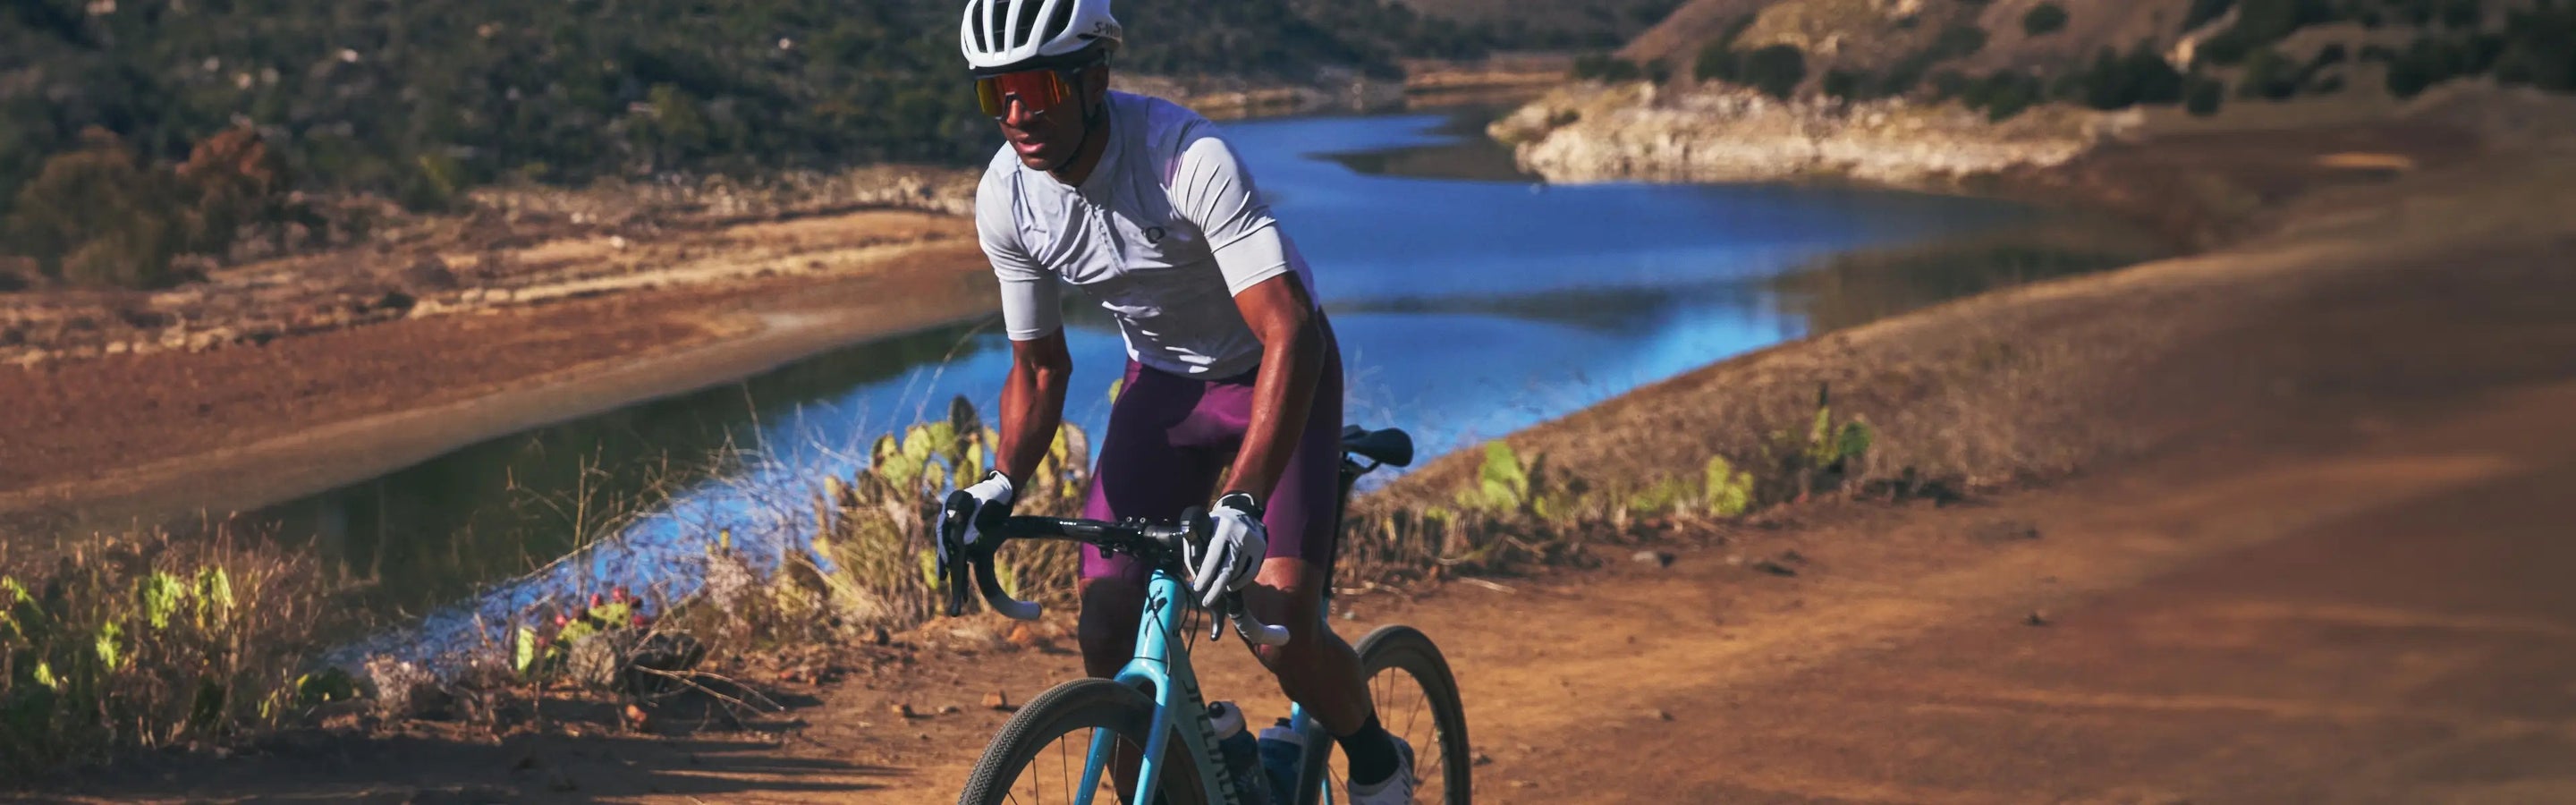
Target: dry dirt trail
{"type": "Point", "coordinates": [2386, 621]}
{"type": "Point", "coordinates": [2356, 595]}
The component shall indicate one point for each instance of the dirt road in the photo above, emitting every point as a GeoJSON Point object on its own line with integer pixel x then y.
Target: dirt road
{"type": "Point", "coordinates": [2363, 605]}
{"type": "Point", "coordinates": [2383, 621]}
{"type": "Point", "coordinates": [2386, 623]}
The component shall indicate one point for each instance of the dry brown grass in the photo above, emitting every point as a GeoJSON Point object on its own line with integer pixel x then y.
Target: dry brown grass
{"type": "Point", "coordinates": [1980, 393]}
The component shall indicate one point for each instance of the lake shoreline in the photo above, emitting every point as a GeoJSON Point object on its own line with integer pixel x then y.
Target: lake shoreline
{"type": "Point", "coordinates": [768, 322]}
{"type": "Point", "coordinates": [705, 336]}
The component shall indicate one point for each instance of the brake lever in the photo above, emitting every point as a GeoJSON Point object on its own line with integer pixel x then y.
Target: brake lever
{"type": "Point", "coordinates": [951, 553]}
{"type": "Point", "coordinates": [1248, 625]}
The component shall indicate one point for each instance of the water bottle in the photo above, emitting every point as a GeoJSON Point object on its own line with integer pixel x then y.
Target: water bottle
{"type": "Point", "coordinates": [1283, 755]}
{"type": "Point", "coordinates": [1242, 756]}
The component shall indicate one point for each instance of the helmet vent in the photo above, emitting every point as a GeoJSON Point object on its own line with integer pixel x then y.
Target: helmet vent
{"type": "Point", "coordinates": [982, 42]}
{"type": "Point", "coordinates": [1062, 18]}
{"type": "Point", "coordinates": [1026, 12]}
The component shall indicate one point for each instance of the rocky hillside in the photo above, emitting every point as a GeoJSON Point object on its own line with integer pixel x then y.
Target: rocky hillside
{"type": "Point", "coordinates": [105, 103]}
{"type": "Point", "coordinates": [1919, 90]}
{"type": "Point", "coordinates": [1711, 133]}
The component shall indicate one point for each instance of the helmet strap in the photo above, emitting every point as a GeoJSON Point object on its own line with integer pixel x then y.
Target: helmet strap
{"type": "Point", "coordinates": [1092, 115]}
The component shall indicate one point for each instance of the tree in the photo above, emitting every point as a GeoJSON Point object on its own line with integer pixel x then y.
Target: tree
{"type": "Point", "coordinates": [1843, 84]}
{"type": "Point", "coordinates": [1717, 62]}
{"type": "Point", "coordinates": [2044, 19]}
{"type": "Point", "coordinates": [2204, 97]}
{"type": "Point", "coordinates": [97, 216]}
{"type": "Point", "coordinates": [2202, 11]}
{"type": "Point", "coordinates": [2268, 75]}
{"type": "Point", "coordinates": [2118, 81]}
{"type": "Point", "coordinates": [1776, 70]}
{"type": "Point", "coordinates": [2541, 51]}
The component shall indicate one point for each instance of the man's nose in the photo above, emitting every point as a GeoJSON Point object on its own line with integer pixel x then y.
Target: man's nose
{"type": "Point", "coordinates": [1016, 114]}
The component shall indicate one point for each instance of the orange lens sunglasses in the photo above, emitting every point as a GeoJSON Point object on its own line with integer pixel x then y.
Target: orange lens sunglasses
{"type": "Point", "coordinates": [1036, 90]}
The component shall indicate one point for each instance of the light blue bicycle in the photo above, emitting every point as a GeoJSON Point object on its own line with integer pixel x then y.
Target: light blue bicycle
{"type": "Point", "coordinates": [1060, 748]}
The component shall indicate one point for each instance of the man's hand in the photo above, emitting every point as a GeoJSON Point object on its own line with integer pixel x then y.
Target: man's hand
{"type": "Point", "coordinates": [1236, 542]}
{"type": "Point", "coordinates": [992, 499]}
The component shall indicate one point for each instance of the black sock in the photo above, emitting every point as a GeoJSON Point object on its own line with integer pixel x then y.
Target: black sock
{"type": "Point", "coordinates": [1371, 752]}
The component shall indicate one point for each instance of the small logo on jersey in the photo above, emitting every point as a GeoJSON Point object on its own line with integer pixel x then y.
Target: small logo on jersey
{"type": "Point", "coordinates": [1154, 235]}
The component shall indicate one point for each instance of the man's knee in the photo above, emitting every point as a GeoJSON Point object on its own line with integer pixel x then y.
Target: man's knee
{"type": "Point", "coordinates": [1287, 594]}
{"type": "Point", "coordinates": [1107, 630]}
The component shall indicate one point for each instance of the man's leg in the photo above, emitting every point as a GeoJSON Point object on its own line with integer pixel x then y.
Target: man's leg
{"type": "Point", "coordinates": [1315, 667]}
{"type": "Point", "coordinates": [1141, 473]}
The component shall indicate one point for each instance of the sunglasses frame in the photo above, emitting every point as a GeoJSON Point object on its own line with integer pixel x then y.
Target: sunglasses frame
{"type": "Point", "coordinates": [1068, 82]}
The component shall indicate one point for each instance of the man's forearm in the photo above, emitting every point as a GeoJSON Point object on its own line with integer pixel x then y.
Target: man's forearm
{"type": "Point", "coordinates": [1032, 407]}
{"type": "Point", "coordinates": [1283, 395]}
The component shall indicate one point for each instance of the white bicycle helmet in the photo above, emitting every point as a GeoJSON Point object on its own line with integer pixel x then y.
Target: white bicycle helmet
{"type": "Point", "coordinates": [1003, 35]}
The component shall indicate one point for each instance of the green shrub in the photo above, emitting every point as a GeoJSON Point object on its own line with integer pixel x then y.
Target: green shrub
{"type": "Point", "coordinates": [99, 217]}
{"type": "Point", "coordinates": [1727, 492]}
{"type": "Point", "coordinates": [2540, 50]}
{"type": "Point", "coordinates": [1844, 84]}
{"type": "Point", "coordinates": [2268, 75]}
{"type": "Point", "coordinates": [1956, 41]}
{"type": "Point", "coordinates": [1901, 78]}
{"type": "Point", "coordinates": [2224, 48]}
{"type": "Point", "coordinates": [2260, 23]}
{"type": "Point", "coordinates": [2118, 82]}
{"type": "Point", "coordinates": [1607, 68]}
{"type": "Point", "coordinates": [2044, 19]}
{"type": "Point", "coordinates": [2202, 11]}
{"type": "Point", "coordinates": [2463, 14]}
{"type": "Point", "coordinates": [1776, 70]}
{"type": "Point", "coordinates": [1716, 62]}
{"type": "Point", "coordinates": [1506, 486]}
{"type": "Point", "coordinates": [2436, 58]}
{"type": "Point", "coordinates": [2204, 97]}
{"type": "Point", "coordinates": [1820, 459]}
{"type": "Point", "coordinates": [149, 641]}
{"type": "Point", "coordinates": [2004, 94]}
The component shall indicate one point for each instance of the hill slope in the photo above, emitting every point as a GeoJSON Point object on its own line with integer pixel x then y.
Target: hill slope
{"type": "Point", "coordinates": [419, 100]}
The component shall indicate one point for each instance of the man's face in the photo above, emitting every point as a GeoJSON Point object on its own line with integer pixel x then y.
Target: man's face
{"type": "Point", "coordinates": [1044, 131]}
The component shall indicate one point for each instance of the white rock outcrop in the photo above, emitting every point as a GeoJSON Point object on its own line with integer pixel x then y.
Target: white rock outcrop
{"type": "Point", "coordinates": [1591, 132]}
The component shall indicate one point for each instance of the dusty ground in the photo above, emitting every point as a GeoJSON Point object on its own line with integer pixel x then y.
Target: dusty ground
{"type": "Point", "coordinates": [2314, 553]}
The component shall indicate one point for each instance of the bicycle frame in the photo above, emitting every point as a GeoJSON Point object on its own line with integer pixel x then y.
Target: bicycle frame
{"type": "Point", "coordinates": [1165, 675]}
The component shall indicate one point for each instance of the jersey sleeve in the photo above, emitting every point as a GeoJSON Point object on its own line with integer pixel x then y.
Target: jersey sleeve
{"type": "Point", "coordinates": [1031, 300]}
{"type": "Point", "coordinates": [1213, 189]}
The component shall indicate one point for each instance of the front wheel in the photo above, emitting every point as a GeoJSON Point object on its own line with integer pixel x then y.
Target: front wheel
{"type": "Point", "coordinates": [1039, 756]}
{"type": "Point", "coordinates": [1417, 700]}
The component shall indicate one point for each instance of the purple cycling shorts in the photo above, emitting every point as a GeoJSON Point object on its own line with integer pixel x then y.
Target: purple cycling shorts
{"type": "Point", "coordinates": [1171, 436]}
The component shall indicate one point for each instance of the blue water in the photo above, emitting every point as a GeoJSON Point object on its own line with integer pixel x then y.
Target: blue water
{"type": "Point", "coordinates": [1466, 309]}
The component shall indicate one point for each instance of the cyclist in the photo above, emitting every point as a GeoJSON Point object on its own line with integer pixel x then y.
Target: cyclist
{"type": "Point", "coordinates": [1143, 204]}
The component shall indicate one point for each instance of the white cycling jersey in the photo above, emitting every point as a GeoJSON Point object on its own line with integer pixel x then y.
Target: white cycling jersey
{"type": "Point", "coordinates": [1165, 230]}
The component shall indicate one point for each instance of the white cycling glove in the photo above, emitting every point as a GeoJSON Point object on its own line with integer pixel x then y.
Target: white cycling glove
{"type": "Point", "coordinates": [1232, 557]}
{"type": "Point", "coordinates": [994, 491]}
